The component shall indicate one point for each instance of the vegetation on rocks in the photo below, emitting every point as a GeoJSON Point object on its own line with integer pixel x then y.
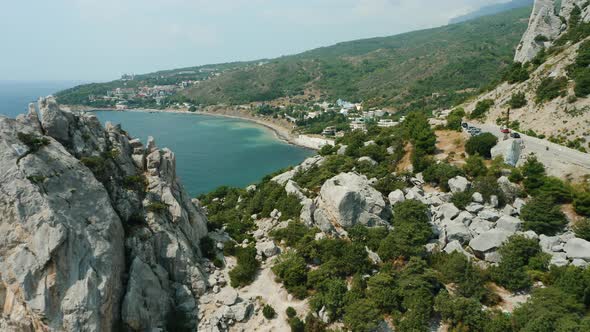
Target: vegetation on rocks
{"type": "Point", "coordinates": [481, 145]}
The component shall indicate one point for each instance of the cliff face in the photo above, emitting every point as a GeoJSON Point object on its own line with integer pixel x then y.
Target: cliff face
{"type": "Point", "coordinates": [547, 22]}
{"type": "Point", "coordinates": [96, 232]}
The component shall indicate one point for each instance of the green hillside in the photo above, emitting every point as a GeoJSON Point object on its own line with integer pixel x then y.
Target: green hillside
{"type": "Point", "coordinates": [402, 71]}
{"type": "Point", "coordinates": [418, 70]}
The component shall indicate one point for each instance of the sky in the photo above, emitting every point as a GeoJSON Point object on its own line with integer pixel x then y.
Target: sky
{"type": "Point", "coordinates": [98, 40]}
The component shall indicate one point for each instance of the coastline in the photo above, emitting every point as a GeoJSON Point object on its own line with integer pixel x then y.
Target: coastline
{"type": "Point", "coordinates": [280, 130]}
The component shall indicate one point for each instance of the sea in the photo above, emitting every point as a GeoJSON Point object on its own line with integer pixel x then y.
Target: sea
{"type": "Point", "coordinates": [210, 151]}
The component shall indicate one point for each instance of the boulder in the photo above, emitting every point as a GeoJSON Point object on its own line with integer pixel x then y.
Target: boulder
{"type": "Point", "coordinates": [396, 197]}
{"type": "Point", "coordinates": [239, 311]}
{"type": "Point", "coordinates": [448, 211]}
{"type": "Point", "coordinates": [267, 248]}
{"type": "Point", "coordinates": [474, 207]}
{"type": "Point", "coordinates": [489, 241]}
{"type": "Point", "coordinates": [509, 189]}
{"type": "Point", "coordinates": [459, 184]}
{"type": "Point", "coordinates": [509, 150]}
{"type": "Point", "coordinates": [347, 199]}
{"type": "Point", "coordinates": [367, 160]}
{"type": "Point", "coordinates": [478, 225]}
{"type": "Point", "coordinates": [558, 259]}
{"type": "Point", "coordinates": [477, 197]}
{"type": "Point", "coordinates": [457, 231]}
{"type": "Point", "coordinates": [518, 204]}
{"type": "Point", "coordinates": [227, 296]}
{"type": "Point", "coordinates": [489, 214]}
{"type": "Point", "coordinates": [577, 248]}
{"type": "Point", "coordinates": [509, 224]}
{"type": "Point", "coordinates": [548, 242]}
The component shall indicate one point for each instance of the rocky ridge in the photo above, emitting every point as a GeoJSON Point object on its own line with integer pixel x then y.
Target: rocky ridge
{"type": "Point", "coordinates": [75, 194]}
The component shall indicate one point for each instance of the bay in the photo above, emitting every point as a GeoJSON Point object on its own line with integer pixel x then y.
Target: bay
{"type": "Point", "coordinates": [211, 151]}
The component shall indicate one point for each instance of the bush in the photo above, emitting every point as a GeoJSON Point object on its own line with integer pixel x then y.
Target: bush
{"type": "Point", "coordinates": [157, 207]}
{"type": "Point", "coordinates": [330, 295]}
{"type": "Point", "coordinates": [475, 166]}
{"type": "Point", "coordinates": [245, 271]}
{"type": "Point", "coordinates": [455, 119]}
{"type": "Point", "coordinates": [516, 73]}
{"type": "Point", "coordinates": [542, 216]}
{"type": "Point", "coordinates": [487, 186]}
{"type": "Point", "coordinates": [517, 254]}
{"type": "Point", "coordinates": [296, 325]}
{"type": "Point", "coordinates": [555, 189]}
{"type": "Point", "coordinates": [481, 145]}
{"type": "Point", "coordinates": [440, 174]}
{"type": "Point", "coordinates": [551, 88]}
{"type": "Point", "coordinates": [582, 203]}
{"type": "Point", "coordinates": [268, 312]}
{"type": "Point", "coordinates": [135, 182]}
{"type": "Point", "coordinates": [412, 231]}
{"type": "Point", "coordinates": [582, 229]}
{"type": "Point", "coordinates": [361, 315]}
{"type": "Point", "coordinates": [461, 313]}
{"type": "Point", "coordinates": [518, 100]}
{"type": "Point", "coordinates": [32, 141]}
{"type": "Point", "coordinates": [462, 199]}
{"type": "Point", "coordinates": [291, 269]}
{"type": "Point", "coordinates": [481, 109]}
{"type": "Point", "coordinates": [292, 234]}
{"type": "Point", "coordinates": [291, 312]}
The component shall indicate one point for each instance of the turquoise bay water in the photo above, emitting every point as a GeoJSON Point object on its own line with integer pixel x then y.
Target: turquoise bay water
{"type": "Point", "coordinates": [211, 151]}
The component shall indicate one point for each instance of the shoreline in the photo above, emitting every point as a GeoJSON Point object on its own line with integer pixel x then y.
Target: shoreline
{"type": "Point", "coordinates": [281, 132]}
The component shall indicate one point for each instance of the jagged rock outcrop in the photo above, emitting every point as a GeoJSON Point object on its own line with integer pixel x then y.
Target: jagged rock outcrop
{"type": "Point", "coordinates": [547, 22]}
{"type": "Point", "coordinates": [96, 232]}
{"type": "Point", "coordinates": [544, 26]}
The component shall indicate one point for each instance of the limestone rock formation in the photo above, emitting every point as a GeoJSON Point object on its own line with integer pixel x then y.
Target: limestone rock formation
{"type": "Point", "coordinates": [96, 230]}
{"type": "Point", "coordinates": [547, 22]}
{"type": "Point", "coordinates": [347, 199]}
{"type": "Point", "coordinates": [544, 26]}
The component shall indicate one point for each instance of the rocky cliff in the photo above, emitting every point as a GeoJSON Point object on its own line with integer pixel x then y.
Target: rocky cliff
{"type": "Point", "coordinates": [548, 21]}
{"type": "Point", "coordinates": [97, 232]}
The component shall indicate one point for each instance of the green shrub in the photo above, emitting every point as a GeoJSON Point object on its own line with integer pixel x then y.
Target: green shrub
{"type": "Point", "coordinates": [582, 229]}
{"type": "Point", "coordinates": [481, 109]}
{"type": "Point", "coordinates": [543, 216]}
{"type": "Point", "coordinates": [291, 269]}
{"type": "Point", "coordinates": [517, 255]}
{"type": "Point", "coordinates": [516, 73]}
{"type": "Point", "coordinates": [455, 119]}
{"type": "Point", "coordinates": [412, 231]}
{"type": "Point", "coordinates": [32, 141]}
{"type": "Point", "coordinates": [361, 315]}
{"type": "Point", "coordinates": [268, 312]}
{"type": "Point", "coordinates": [440, 174]}
{"type": "Point", "coordinates": [135, 183]}
{"type": "Point", "coordinates": [481, 145]}
{"type": "Point", "coordinates": [551, 88]}
{"type": "Point", "coordinates": [296, 325]}
{"type": "Point", "coordinates": [291, 312]}
{"type": "Point", "coordinates": [95, 163]}
{"type": "Point", "coordinates": [475, 166]}
{"type": "Point", "coordinates": [389, 183]}
{"type": "Point", "coordinates": [461, 313]}
{"type": "Point", "coordinates": [292, 234]}
{"type": "Point", "coordinates": [330, 294]}
{"type": "Point", "coordinates": [555, 189]}
{"type": "Point", "coordinates": [518, 100]}
{"type": "Point", "coordinates": [487, 186]}
{"type": "Point", "coordinates": [582, 203]}
{"type": "Point", "coordinates": [157, 207]}
{"type": "Point", "coordinates": [462, 199]}
{"type": "Point", "coordinates": [245, 271]}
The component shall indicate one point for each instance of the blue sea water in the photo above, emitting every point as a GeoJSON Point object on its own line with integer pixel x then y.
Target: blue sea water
{"type": "Point", "coordinates": [210, 151]}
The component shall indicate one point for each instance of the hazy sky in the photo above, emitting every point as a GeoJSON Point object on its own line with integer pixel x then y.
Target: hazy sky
{"type": "Point", "coordinates": [100, 39]}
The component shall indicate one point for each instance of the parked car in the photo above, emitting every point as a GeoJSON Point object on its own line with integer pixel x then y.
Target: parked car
{"type": "Point", "coordinates": [465, 125]}
{"type": "Point", "coordinates": [515, 135]}
{"type": "Point", "coordinates": [505, 130]}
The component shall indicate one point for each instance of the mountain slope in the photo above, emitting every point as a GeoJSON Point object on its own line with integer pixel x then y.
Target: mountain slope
{"type": "Point", "coordinates": [398, 72]}
{"type": "Point", "coordinates": [491, 10]}
{"type": "Point", "coordinates": [424, 69]}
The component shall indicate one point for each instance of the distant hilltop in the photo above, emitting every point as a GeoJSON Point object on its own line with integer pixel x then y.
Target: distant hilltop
{"type": "Point", "coordinates": [491, 10]}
